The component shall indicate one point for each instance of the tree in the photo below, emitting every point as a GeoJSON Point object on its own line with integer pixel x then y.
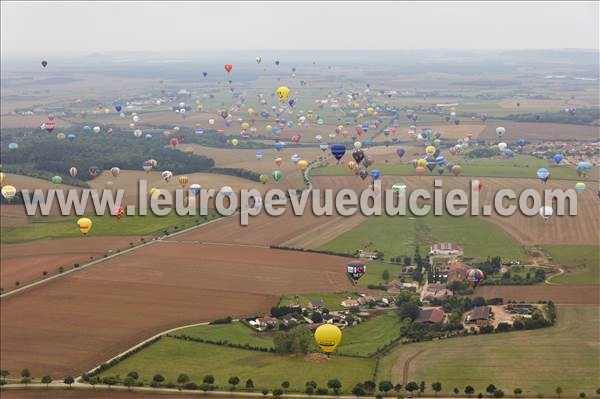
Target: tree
{"type": "Point", "coordinates": [129, 382]}
{"type": "Point", "coordinates": [4, 374]}
{"type": "Point", "coordinates": [25, 380]}
{"type": "Point", "coordinates": [490, 389]}
{"type": "Point", "coordinates": [335, 384]}
{"type": "Point", "coordinates": [385, 275]}
{"type": "Point", "coordinates": [264, 391]}
{"type": "Point", "coordinates": [582, 395]}
{"type": "Point", "coordinates": [109, 381]}
{"type": "Point", "coordinates": [233, 381]}
{"type": "Point", "coordinates": [422, 387]}
{"type": "Point", "coordinates": [208, 379]}
{"type": "Point", "coordinates": [69, 381]}
{"type": "Point", "coordinates": [455, 390]}
{"type": "Point", "coordinates": [191, 386]}
{"type": "Point", "coordinates": [409, 310]}
{"type": "Point", "coordinates": [358, 390]}
{"type": "Point", "coordinates": [285, 384]}
{"type": "Point", "coordinates": [309, 390]}
{"type": "Point", "coordinates": [412, 386]}
{"type": "Point", "coordinates": [479, 395]}
{"type": "Point", "coordinates": [437, 387]}
{"type": "Point", "coordinates": [498, 393]}
{"type": "Point", "coordinates": [183, 379]}
{"type": "Point", "coordinates": [397, 388]}
{"type": "Point", "coordinates": [158, 378]}
{"type": "Point", "coordinates": [277, 392]}
{"type": "Point", "coordinates": [311, 383]}
{"type": "Point", "coordinates": [249, 385]}
{"type": "Point", "coordinates": [46, 380]}
{"type": "Point", "coordinates": [25, 373]}
{"type": "Point", "coordinates": [370, 385]}
{"type": "Point", "coordinates": [558, 391]}
{"type": "Point", "coordinates": [133, 374]}
{"type": "Point", "coordinates": [517, 391]}
{"type": "Point", "coordinates": [385, 386]}
{"type": "Point", "coordinates": [469, 390]}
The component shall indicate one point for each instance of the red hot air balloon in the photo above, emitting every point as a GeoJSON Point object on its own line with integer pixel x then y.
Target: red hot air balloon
{"type": "Point", "coordinates": [296, 138]}
{"type": "Point", "coordinates": [174, 142]}
{"type": "Point", "coordinates": [228, 67]}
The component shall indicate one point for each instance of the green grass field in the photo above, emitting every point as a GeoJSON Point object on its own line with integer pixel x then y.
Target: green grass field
{"type": "Point", "coordinates": [374, 273]}
{"type": "Point", "coordinates": [366, 338]}
{"type": "Point", "coordinates": [330, 301]}
{"type": "Point", "coordinates": [536, 361]}
{"type": "Point", "coordinates": [170, 357]}
{"type": "Point", "coordinates": [398, 235]}
{"type": "Point", "coordinates": [235, 332]}
{"type": "Point", "coordinates": [42, 227]}
{"type": "Point", "coordinates": [520, 166]}
{"type": "Point", "coordinates": [581, 263]}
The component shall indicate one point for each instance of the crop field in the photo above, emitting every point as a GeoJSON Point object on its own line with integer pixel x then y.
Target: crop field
{"type": "Point", "coordinates": [536, 361]}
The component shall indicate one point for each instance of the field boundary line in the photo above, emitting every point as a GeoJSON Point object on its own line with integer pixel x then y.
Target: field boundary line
{"type": "Point", "coordinates": [406, 367]}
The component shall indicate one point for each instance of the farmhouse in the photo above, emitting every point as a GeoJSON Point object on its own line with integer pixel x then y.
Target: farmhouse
{"type": "Point", "coordinates": [447, 249]}
{"type": "Point", "coordinates": [480, 315]}
{"type": "Point", "coordinates": [430, 316]}
{"type": "Point", "coordinates": [367, 254]}
{"type": "Point", "coordinates": [397, 286]}
{"type": "Point", "coordinates": [436, 291]}
{"type": "Point", "coordinates": [350, 303]}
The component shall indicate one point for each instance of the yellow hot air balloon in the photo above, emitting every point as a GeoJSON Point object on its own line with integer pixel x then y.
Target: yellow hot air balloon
{"type": "Point", "coordinates": [251, 111]}
{"type": "Point", "coordinates": [422, 163]}
{"type": "Point", "coordinates": [283, 93]}
{"type": "Point", "coordinates": [370, 110]}
{"type": "Point", "coordinates": [61, 136]}
{"type": "Point", "coordinates": [302, 164]}
{"type": "Point", "coordinates": [245, 126]}
{"type": "Point", "coordinates": [235, 142]}
{"type": "Point", "coordinates": [9, 192]}
{"type": "Point", "coordinates": [328, 337]}
{"type": "Point", "coordinates": [1, 178]}
{"type": "Point", "coordinates": [269, 129]}
{"type": "Point", "coordinates": [357, 145]}
{"type": "Point", "coordinates": [85, 225]}
{"type": "Point", "coordinates": [154, 192]}
{"type": "Point", "coordinates": [183, 181]}
{"type": "Point", "coordinates": [430, 150]}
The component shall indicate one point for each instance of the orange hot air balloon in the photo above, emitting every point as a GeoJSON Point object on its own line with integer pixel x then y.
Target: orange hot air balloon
{"type": "Point", "coordinates": [351, 165]}
{"type": "Point", "coordinates": [278, 161]}
{"type": "Point", "coordinates": [228, 67]}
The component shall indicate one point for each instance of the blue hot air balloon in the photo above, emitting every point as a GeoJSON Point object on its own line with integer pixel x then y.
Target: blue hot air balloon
{"type": "Point", "coordinates": [375, 174]}
{"type": "Point", "coordinates": [259, 154]}
{"type": "Point", "coordinates": [440, 160]}
{"type": "Point", "coordinates": [199, 131]}
{"type": "Point", "coordinates": [118, 107]}
{"type": "Point", "coordinates": [521, 142]}
{"type": "Point", "coordinates": [400, 151]}
{"type": "Point", "coordinates": [71, 137]}
{"type": "Point", "coordinates": [543, 174]}
{"type": "Point", "coordinates": [148, 136]}
{"type": "Point", "coordinates": [87, 129]}
{"type": "Point", "coordinates": [558, 158]}
{"type": "Point", "coordinates": [279, 146]}
{"type": "Point", "coordinates": [338, 151]}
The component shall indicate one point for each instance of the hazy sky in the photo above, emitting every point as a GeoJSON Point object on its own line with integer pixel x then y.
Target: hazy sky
{"type": "Point", "coordinates": [70, 28]}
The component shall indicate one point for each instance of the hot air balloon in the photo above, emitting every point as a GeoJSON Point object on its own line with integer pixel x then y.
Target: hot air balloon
{"type": "Point", "coordinates": [167, 175]}
{"type": "Point", "coordinates": [557, 158]}
{"type": "Point", "coordinates": [85, 225]}
{"type": "Point", "coordinates": [71, 137]}
{"type": "Point", "coordinates": [195, 189]}
{"type": "Point", "coordinates": [13, 147]}
{"type": "Point", "coordinates": [420, 171]}
{"type": "Point", "coordinates": [356, 270]}
{"type": "Point", "coordinates": [278, 146]}
{"type": "Point", "coordinates": [96, 129]}
{"type": "Point", "coordinates": [44, 63]}
{"type": "Point", "coordinates": [302, 164]}
{"type": "Point", "coordinates": [476, 186]}
{"type": "Point", "coordinates": [375, 174]}
{"type": "Point", "coordinates": [118, 107]}
{"type": "Point", "coordinates": [474, 276]}
{"type": "Point", "coordinates": [115, 171]}
{"type": "Point", "coordinates": [263, 179]}
{"type": "Point", "coordinates": [502, 146]}
{"type": "Point", "coordinates": [174, 141]}
{"type": "Point", "coordinates": [118, 212]}
{"type": "Point", "coordinates": [328, 337]}
{"type": "Point", "coordinates": [1, 178]}
{"type": "Point", "coordinates": [399, 189]}
{"type": "Point", "coordinates": [259, 155]}
{"type": "Point", "coordinates": [546, 212]}
{"type": "Point", "coordinates": [228, 67]}
{"type": "Point", "coordinates": [283, 93]}
{"type": "Point", "coordinates": [277, 175]}
{"type": "Point", "coordinates": [56, 180]}
{"type": "Point", "coordinates": [235, 142]}
{"type": "Point", "coordinates": [580, 187]}
{"type": "Point", "coordinates": [226, 191]}
{"type": "Point", "coordinates": [61, 136]}
{"type": "Point", "coordinates": [9, 192]}
{"type": "Point", "coordinates": [400, 152]}
{"type": "Point", "coordinates": [183, 181]}
{"type": "Point", "coordinates": [258, 60]}
{"type": "Point", "coordinates": [147, 166]}
{"type": "Point", "coordinates": [430, 150]}
{"type": "Point", "coordinates": [500, 131]}
{"type": "Point", "coordinates": [278, 161]}
{"type": "Point", "coordinates": [583, 168]}
{"type": "Point", "coordinates": [543, 174]}
{"type": "Point", "coordinates": [93, 171]}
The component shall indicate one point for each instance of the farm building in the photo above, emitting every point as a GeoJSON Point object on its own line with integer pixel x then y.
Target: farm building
{"type": "Point", "coordinates": [480, 315]}
{"type": "Point", "coordinates": [350, 303]}
{"type": "Point", "coordinates": [430, 316]}
{"type": "Point", "coordinates": [447, 249]}
{"type": "Point", "coordinates": [397, 286]}
{"type": "Point", "coordinates": [315, 304]}
{"type": "Point", "coordinates": [367, 254]}
{"type": "Point", "coordinates": [436, 291]}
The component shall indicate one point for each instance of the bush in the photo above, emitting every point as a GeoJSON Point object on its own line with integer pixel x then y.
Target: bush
{"type": "Point", "coordinates": [191, 385]}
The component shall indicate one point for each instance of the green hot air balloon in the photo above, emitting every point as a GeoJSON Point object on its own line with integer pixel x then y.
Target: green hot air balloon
{"type": "Point", "coordinates": [56, 180]}
{"type": "Point", "coordinates": [277, 175]}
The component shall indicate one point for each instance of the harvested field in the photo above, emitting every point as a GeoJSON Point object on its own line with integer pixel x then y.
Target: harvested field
{"type": "Point", "coordinates": [72, 324]}
{"type": "Point", "coordinates": [25, 262]}
{"type": "Point", "coordinates": [539, 131]}
{"type": "Point", "coordinates": [572, 230]}
{"type": "Point", "coordinates": [560, 294]}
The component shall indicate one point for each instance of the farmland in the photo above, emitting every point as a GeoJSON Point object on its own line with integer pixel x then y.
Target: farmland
{"type": "Point", "coordinates": [537, 361]}
{"type": "Point", "coordinates": [581, 263]}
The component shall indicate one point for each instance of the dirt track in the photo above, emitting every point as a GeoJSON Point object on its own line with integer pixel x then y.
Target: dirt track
{"type": "Point", "coordinates": [560, 294]}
